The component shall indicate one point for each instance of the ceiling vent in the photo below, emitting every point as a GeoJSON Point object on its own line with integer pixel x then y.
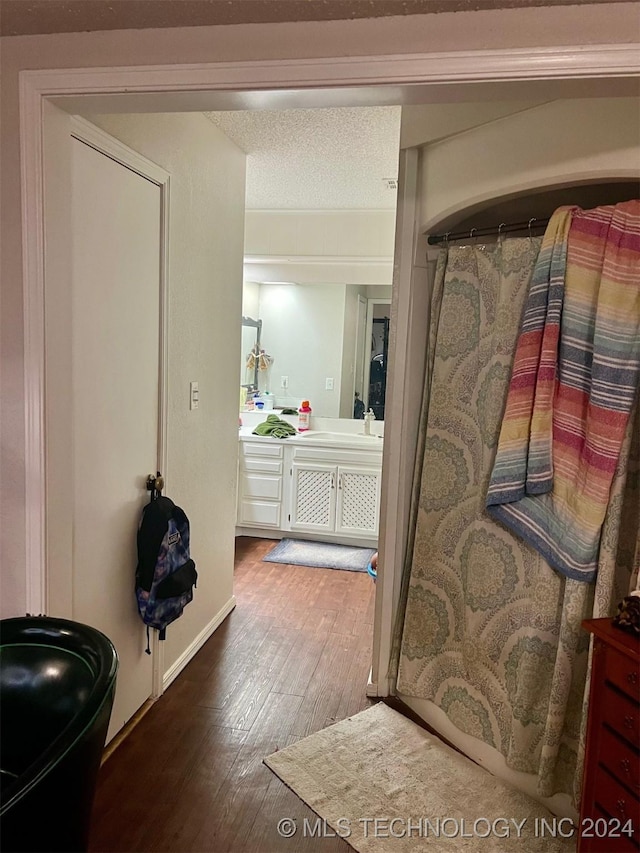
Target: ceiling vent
{"type": "Point", "coordinates": [390, 183]}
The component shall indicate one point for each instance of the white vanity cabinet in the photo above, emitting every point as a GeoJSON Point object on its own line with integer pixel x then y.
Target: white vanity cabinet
{"type": "Point", "coordinates": [331, 493]}
{"type": "Point", "coordinates": [260, 484]}
{"type": "Point", "coordinates": [341, 499]}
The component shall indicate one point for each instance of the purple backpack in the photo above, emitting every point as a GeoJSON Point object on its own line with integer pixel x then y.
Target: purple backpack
{"type": "Point", "coordinates": [166, 574]}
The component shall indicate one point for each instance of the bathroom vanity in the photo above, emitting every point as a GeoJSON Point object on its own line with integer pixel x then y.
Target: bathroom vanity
{"type": "Point", "coordinates": [316, 485]}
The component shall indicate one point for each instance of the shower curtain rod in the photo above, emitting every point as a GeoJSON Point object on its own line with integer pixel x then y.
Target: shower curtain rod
{"type": "Point", "coordinates": [503, 228]}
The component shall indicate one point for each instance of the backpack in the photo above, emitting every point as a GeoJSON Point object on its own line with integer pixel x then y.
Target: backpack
{"type": "Point", "coordinates": [166, 574]}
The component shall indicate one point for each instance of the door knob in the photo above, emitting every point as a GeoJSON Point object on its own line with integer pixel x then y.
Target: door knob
{"type": "Point", "coordinates": [155, 484]}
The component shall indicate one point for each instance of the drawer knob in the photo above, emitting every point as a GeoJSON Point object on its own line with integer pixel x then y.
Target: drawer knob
{"type": "Point", "coordinates": [628, 722]}
{"type": "Point", "coordinates": [632, 677]}
{"type": "Point", "coordinates": [621, 805]}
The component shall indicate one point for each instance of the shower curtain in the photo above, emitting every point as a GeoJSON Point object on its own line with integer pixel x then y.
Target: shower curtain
{"type": "Point", "coordinates": [491, 633]}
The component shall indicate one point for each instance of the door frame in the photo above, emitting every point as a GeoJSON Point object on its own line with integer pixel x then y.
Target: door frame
{"type": "Point", "coordinates": [371, 303]}
{"type": "Point", "coordinates": [361, 344]}
{"type": "Point", "coordinates": [37, 88]}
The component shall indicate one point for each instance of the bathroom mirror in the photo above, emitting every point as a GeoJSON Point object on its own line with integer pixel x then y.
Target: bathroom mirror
{"type": "Point", "coordinates": [251, 333]}
{"type": "Point", "coordinates": [326, 342]}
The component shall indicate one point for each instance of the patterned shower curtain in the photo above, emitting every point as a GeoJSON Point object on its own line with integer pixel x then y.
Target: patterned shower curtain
{"type": "Point", "coordinates": [491, 632]}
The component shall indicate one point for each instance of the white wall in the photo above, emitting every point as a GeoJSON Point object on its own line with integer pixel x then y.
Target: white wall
{"type": "Point", "coordinates": [205, 290]}
{"type": "Point", "coordinates": [251, 299]}
{"type": "Point", "coordinates": [560, 142]}
{"type": "Point", "coordinates": [424, 123]}
{"type": "Point", "coordinates": [336, 233]}
{"type": "Point", "coordinates": [352, 247]}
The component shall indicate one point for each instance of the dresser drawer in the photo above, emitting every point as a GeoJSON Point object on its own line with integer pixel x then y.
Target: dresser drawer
{"type": "Point", "coordinates": [621, 760]}
{"type": "Point", "coordinates": [624, 673]}
{"type": "Point", "coordinates": [622, 715]}
{"type": "Point", "coordinates": [618, 803]}
{"type": "Point", "coordinates": [596, 837]}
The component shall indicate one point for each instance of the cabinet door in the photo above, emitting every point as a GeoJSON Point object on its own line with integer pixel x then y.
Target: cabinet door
{"type": "Point", "coordinates": [313, 499]}
{"type": "Point", "coordinates": [358, 500]}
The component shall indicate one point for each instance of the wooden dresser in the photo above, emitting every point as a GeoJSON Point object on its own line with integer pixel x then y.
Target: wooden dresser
{"type": "Point", "coordinates": [611, 784]}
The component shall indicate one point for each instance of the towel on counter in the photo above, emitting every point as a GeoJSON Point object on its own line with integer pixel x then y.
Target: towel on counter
{"type": "Point", "coordinates": [575, 377]}
{"type": "Point", "coordinates": [275, 427]}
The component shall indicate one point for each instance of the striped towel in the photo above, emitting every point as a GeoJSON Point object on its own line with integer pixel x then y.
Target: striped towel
{"type": "Point", "coordinates": [575, 376]}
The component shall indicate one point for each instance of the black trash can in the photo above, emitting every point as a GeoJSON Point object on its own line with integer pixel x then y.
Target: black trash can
{"type": "Point", "coordinates": [57, 682]}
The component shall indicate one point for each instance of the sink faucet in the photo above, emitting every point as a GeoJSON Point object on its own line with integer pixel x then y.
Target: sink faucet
{"type": "Point", "coordinates": [368, 417]}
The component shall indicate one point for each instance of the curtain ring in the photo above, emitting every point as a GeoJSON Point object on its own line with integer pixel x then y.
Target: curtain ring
{"type": "Point", "coordinates": [471, 233]}
{"type": "Point", "coordinates": [532, 220]}
{"type": "Point", "coordinates": [500, 227]}
{"type": "Point", "coordinates": [446, 239]}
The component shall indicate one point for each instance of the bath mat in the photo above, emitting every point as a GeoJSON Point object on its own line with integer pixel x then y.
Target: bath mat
{"type": "Point", "coordinates": [320, 555]}
{"type": "Point", "coordinates": [386, 785]}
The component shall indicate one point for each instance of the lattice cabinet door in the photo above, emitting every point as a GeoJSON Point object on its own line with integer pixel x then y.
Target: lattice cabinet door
{"type": "Point", "coordinates": [313, 503]}
{"type": "Point", "coordinates": [358, 500]}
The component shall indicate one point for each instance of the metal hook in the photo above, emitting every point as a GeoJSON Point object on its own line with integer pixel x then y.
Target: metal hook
{"type": "Point", "coordinates": [533, 219]}
{"type": "Point", "coordinates": [500, 227]}
{"type": "Point", "coordinates": [471, 233]}
{"type": "Point", "coordinates": [446, 239]}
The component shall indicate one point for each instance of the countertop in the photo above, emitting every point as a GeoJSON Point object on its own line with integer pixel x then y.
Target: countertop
{"type": "Point", "coordinates": [320, 438]}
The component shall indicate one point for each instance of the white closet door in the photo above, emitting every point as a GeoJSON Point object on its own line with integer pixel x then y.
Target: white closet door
{"type": "Point", "coordinates": [116, 334]}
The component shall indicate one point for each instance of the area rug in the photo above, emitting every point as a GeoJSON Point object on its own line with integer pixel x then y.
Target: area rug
{"type": "Point", "coordinates": [384, 784]}
{"type": "Point", "coordinates": [320, 555]}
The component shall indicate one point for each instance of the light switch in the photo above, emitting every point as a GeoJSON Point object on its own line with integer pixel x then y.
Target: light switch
{"type": "Point", "coordinates": [329, 383]}
{"type": "Point", "coordinates": [284, 381]}
{"type": "Point", "coordinates": [194, 395]}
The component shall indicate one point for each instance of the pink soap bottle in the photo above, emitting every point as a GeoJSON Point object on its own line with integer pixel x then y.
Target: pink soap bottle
{"type": "Point", "coordinates": [304, 416]}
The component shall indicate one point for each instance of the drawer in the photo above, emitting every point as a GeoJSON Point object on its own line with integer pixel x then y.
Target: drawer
{"type": "Point", "coordinates": [617, 802]}
{"type": "Point", "coordinates": [259, 514]}
{"type": "Point", "coordinates": [620, 759]}
{"type": "Point", "coordinates": [260, 486]}
{"type": "Point", "coordinates": [337, 456]}
{"type": "Point", "coordinates": [598, 838]}
{"type": "Point", "coordinates": [622, 715]}
{"type": "Point", "coordinates": [624, 673]}
{"type": "Point", "coordinates": [260, 465]}
{"type": "Point", "coordinates": [250, 448]}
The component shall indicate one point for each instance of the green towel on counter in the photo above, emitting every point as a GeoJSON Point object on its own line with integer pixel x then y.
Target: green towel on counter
{"type": "Point", "coordinates": [275, 427]}
{"type": "Point", "coordinates": [289, 412]}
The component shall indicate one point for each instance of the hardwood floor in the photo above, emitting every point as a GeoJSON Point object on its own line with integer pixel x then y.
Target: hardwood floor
{"type": "Point", "coordinates": [292, 658]}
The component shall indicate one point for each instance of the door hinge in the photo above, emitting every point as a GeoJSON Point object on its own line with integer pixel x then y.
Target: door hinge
{"type": "Point", "coordinates": [289, 517]}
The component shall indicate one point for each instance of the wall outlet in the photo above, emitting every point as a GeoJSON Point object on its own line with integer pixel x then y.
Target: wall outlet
{"type": "Point", "coordinates": [328, 384]}
{"type": "Point", "coordinates": [284, 381]}
{"type": "Point", "coordinates": [194, 395]}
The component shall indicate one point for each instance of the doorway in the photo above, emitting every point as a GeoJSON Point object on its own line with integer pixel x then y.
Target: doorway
{"type": "Point", "coordinates": [39, 86]}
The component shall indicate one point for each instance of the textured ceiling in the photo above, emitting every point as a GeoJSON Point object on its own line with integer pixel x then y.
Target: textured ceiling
{"type": "Point", "coordinates": [317, 159]}
{"type": "Point", "coordinates": [22, 17]}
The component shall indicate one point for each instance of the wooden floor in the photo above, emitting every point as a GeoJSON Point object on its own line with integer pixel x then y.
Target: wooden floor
{"type": "Point", "coordinates": [292, 658]}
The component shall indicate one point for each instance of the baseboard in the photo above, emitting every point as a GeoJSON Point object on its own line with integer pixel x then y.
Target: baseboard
{"type": "Point", "coordinates": [125, 731]}
{"type": "Point", "coordinates": [330, 538]}
{"type": "Point", "coordinates": [176, 668]}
